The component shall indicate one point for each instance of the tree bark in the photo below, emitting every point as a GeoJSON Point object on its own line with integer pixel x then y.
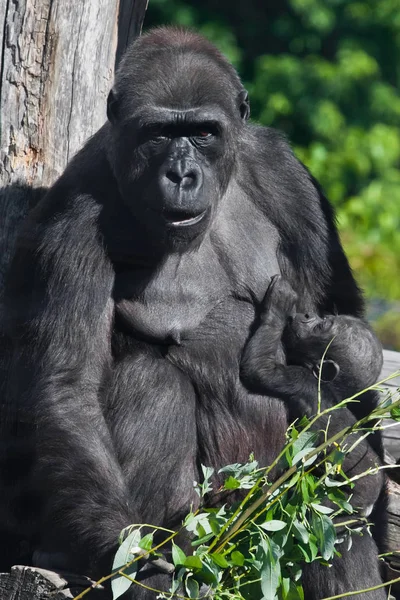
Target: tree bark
{"type": "Point", "coordinates": [57, 62]}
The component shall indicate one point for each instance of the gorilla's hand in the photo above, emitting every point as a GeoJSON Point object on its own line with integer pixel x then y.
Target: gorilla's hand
{"type": "Point", "coordinates": [280, 298]}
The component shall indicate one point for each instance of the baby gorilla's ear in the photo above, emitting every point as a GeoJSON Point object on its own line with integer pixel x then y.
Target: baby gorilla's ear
{"type": "Point", "coordinates": [329, 370]}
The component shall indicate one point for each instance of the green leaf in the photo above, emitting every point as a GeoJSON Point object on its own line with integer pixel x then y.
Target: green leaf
{"type": "Point", "coordinates": [238, 470]}
{"type": "Point", "coordinates": [285, 586]}
{"type": "Point", "coordinates": [305, 441]}
{"type": "Point", "coordinates": [325, 534]}
{"type": "Point", "coordinates": [237, 558]}
{"type": "Point", "coordinates": [296, 592]}
{"type": "Point", "coordinates": [301, 455]}
{"type": "Point", "coordinates": [273, 525]}
{"type": "Point", "coordinates": [192, 587]}
{"type": "Point", "coordinates": [331, 483]}
{"type": "Point", "coordinates": [337, 457]}
{"type": "Point", "coordinates": [189, 519]}
{"type": "Point", "coordinates": [192, 562]}
{"type": "Point", "coordinates": [220, 560]}
{"type": "Point", "coordinates": [291, 590]}
{"type": "Point", "coordinates": [125, 553]}
{"type": "Point", "coordinates": [270, 579]}
{"type": "Point", "coordinates": [175, 584]}
{"type": "Point", "coordinates": [313, 549]}
{"type": "Point", "coordinates": [127, 550]}
{"type": "Point", "coordinates": [207, 472]}
{"type": "Point", "coordinates": [395, 413]}
{"type": "Point", "coordinates": [304, 490]}
{"type": "Point", "coordinates": [306, 552]}
{"type": "Point", "coordinates": [324, 510]}
{"type": "Point", "coordinates": [119, 583]}
{"type": "Point", "coordinates": [231, 483]}
{"type": "Point", "coordinates": [300, 531]}
{"type": "Point", "coordinates": [210, 573]}
{"type": "Point", "coordinates": [146, 543]}
{"type": "Point", "coordinates": [201, 521]}
{"type": "Point", "coordinates": [347, 507]}
{"type": "Point", "coordinates": [178, 555]}
{"type": "Point", "coordinates": [204, 488]}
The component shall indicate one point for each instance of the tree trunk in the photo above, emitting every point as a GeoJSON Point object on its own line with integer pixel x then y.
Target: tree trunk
{"type": "Point", "coordinates": [57, 62]}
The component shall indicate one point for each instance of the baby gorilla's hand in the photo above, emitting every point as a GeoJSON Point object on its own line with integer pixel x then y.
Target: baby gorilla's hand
{"type": "Point", "coordinates": [280, 297]}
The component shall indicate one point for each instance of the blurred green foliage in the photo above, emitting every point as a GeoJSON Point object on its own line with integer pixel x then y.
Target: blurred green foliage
{"type": "Point", "coordinates": [327, 73]}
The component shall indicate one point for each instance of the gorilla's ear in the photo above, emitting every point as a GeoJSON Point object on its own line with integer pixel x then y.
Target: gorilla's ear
{"type": "Point", "coordinates": [112, 107]}
{"type": "Point", "coordinates": [329, 371]}
{"type": "Point", "coordinates": [244, 105]}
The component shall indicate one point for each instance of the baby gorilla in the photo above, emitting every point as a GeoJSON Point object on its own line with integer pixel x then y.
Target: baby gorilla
{"type": "Point", "coordinates": [353, 362]}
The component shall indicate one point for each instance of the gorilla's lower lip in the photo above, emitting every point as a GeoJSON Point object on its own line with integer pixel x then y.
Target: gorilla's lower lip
{"type": "Point", "coordinates": [189, 221]}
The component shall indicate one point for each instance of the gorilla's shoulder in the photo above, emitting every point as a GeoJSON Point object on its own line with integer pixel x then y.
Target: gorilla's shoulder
{"type": "Point", "coordinates": [88, 174]}
{"type": "Point", "coordinates": [268, 155]}
{"type": "Point", "coordinates": [267, 137]}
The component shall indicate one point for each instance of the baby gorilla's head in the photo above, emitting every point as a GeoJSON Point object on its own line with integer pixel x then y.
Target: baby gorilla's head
{"type": "Point", "coordinates": [354, 357]}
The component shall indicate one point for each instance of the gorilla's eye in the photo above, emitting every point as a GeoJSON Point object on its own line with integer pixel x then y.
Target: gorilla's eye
{"type": "Point", "coordinates": [153, 134]}
{"type": "Point", "coordinates": [205, 131]}
{"type": "Point", "coordinates": [159, 134]}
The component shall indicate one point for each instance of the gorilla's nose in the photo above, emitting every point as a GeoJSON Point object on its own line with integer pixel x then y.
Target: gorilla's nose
{"type": "Point", "coordinates": [185, 176]}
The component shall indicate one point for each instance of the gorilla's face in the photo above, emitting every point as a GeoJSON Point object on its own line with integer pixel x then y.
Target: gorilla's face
{"type": "Point", "coordinates": [171, 175]}
{"type": "Point", "coordinates": [175, 126]}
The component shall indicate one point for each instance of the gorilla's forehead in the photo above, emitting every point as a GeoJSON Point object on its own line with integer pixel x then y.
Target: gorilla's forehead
{"type": "Point", "coordinates": [178, 80]}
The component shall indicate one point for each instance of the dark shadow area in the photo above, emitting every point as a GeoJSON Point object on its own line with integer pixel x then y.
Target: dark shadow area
{"type": "Point", "coordinates": [15, 202]}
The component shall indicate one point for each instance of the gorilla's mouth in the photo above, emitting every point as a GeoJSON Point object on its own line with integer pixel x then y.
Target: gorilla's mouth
{"type": "Point", "coordinates": [182, 219]}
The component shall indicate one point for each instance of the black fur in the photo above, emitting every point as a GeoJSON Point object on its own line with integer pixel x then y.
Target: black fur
{"type": "Point", "coordinates": [127, 325]}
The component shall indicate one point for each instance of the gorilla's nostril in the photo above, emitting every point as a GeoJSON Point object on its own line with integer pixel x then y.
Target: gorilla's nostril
{"type": "Point", "coordinates": [189, 179]}
{"type": "Point", "coordinates": [174, 177]}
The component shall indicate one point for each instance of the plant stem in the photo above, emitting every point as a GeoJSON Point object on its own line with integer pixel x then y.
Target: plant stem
{"type": "Point", "coordinates": [355, 592]}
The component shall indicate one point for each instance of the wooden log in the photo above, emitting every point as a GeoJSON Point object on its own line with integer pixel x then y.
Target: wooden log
{"type": "Point", "coordinates": [392, 542]}
{"type": "Point", "coordinates": [29, 583]}
{"type": "Point", "coordinates": [391, 436]}
{"type": "Point", "coordinates": [56, 68]}
{"type": "Point", "coordinates": [391, 440]}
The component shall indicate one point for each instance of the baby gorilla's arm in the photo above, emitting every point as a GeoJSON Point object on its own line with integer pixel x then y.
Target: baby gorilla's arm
{"type": "Point", "coordinates": [261, 370]}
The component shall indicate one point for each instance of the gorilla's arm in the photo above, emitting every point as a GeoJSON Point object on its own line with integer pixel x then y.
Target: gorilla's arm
{"type": "Point", "coordinates": [310, 255]}
{"type": "Point", "coordinates": [59, 307]}
{"type": "Point", "coordinates": [342, 294]}
{"type": "Point", "coordinates": [263, 370]}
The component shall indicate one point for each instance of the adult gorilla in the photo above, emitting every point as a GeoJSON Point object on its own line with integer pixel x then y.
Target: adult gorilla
{"type": "Point", "coordinates": [129, 302]}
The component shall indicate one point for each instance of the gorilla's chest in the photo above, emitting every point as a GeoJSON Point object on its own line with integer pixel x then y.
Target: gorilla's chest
{"type": "Point", "coordinates": [182, 298]}
{"type": "Point", "coordinates": [167, 306]}
{"type": "Point", "coordinates": [197, 324]}
{"type": "Point", "coordinates": [167, 312]}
